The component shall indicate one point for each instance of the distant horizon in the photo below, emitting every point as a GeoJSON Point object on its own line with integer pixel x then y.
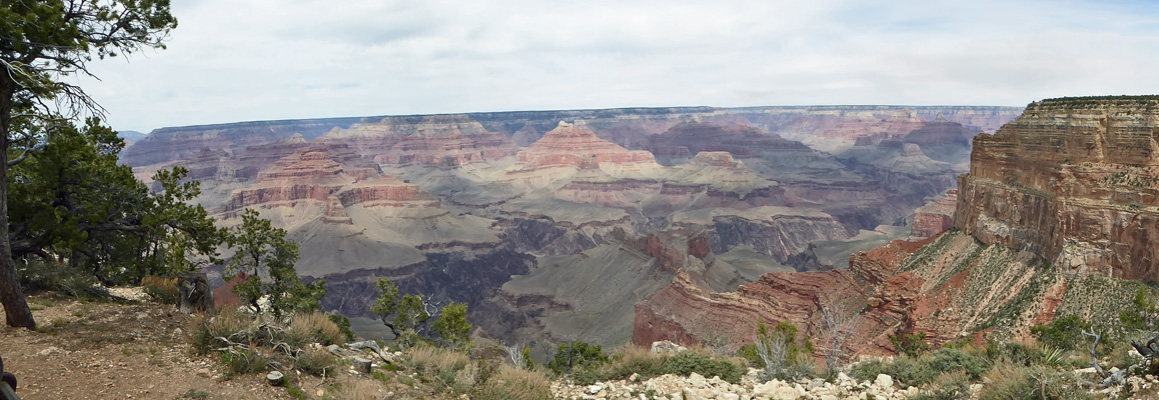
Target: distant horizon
{"type": "Point", "coordinates": [556, 110]}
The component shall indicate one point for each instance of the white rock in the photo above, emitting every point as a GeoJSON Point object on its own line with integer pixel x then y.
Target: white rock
{"type": "Point", "coordinates": [666, 347]}
{"type": "Point", "coordinates": [593, 389]}
{"type": "Point", "coordinates": [828, 397]}
{"type": "Point", "coordinates": [883, 381]}
{"type": "Point", "coordinates": [842, 378]}
{"type": "Point", "coordinates": [689, 394]}
{"type": "Point", "coordinates": [50, 351]}
{"type": "Point", "coordinates": [788, 393]}
{"type": "Point", "coordinates": [731, 396]}
{"type": "Point", "coordinates": [697, 380]}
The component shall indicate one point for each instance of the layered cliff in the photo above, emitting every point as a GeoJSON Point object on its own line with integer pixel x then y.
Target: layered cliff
{"type": "Point", "coordinates": [1075, 180]}
{"type": "Point", "coordinates": [1057, 205]}
{"type": "Point", "coordinates": [443, 140]}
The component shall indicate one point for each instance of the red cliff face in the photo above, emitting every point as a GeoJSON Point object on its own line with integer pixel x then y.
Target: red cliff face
{"type": "Point", "coordinates": [577, 146]}
{"type": "Point", "coordinates": [937, 217]}
{"type": "Point", "coordinates": [385, 191]}
{"type": "Point", "coordinates": [317, 176]}
{"type": "Point", "coordinates": [890, 302]}
{"type": "Point", "coordinates": [1075, 180]}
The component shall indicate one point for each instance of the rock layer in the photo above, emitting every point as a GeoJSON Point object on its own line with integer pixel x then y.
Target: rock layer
{"type": "Point", "coordinates": [1075, 180]}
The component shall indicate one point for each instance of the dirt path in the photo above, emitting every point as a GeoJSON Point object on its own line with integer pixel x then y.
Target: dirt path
{"type": "Point", "coordinates": [86, 350]}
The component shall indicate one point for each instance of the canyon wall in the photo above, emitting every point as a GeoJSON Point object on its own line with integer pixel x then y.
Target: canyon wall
{"type": "Point", "coordinates": [1075, 180]}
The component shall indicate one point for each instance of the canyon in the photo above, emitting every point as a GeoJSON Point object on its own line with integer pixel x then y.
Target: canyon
{"type": "Point", "coordinates": [581, 224]}
{"type": "Point", "coordinates": [1056, 216]}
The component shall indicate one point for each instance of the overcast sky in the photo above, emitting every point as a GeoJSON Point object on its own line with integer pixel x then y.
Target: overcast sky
{"type": "Point", "coordinates": [244, 60]}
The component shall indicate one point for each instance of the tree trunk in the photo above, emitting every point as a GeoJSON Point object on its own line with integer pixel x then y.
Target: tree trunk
{"type": "Point", "coordinates": [16, 311]}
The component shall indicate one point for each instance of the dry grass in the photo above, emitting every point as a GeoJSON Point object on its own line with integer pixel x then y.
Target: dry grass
{"type": "Point", "coordinates": [316, 327]}
{"type": "Point", "coordinates": [364, 389]}
{"type": "Point", "coordinates": [205, 329]}
{"type": "Point", "coordinates": [160, 288]}
{"type": "Point", "coordinates": [514, 384]}
{"type": "Point", "coordinates": [433, 359]}
{"type": "Point", "coordinates": [314, 361]}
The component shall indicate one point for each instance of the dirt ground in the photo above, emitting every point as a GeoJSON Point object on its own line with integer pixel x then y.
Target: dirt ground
{"type": "Point", "coordinates": [138, 349]}
{"type": "Point", "coordinates": [90, 350]}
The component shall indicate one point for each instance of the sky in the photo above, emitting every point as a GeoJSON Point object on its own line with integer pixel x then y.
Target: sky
{"type": "Point", "coordinates": [247, 60]}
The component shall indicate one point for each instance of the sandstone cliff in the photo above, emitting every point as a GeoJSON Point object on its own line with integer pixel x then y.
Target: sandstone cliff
{"type": "Point", "coordinates": [446, 140]}
{"type": "Point", "coordinates": [1075, 180]}
{"type": "Point", "coordinates": [1057, 204]}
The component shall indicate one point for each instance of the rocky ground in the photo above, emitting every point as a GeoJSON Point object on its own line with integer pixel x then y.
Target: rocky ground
{"type": "Point", "coordinates": [138, 349]}
{"type": "Point", "coordinates": [89, 350]}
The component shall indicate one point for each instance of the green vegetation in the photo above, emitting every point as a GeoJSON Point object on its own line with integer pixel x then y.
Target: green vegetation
{"type": "Point", "coordinates": [45, 43]}
{"type": "Point", "coordinates": [263, 249]}
{"type": "Point", "coordinates": [452, 327]}
{"type": "Point", "coordinates": [408, 315]}
{"type": "Point", "coordinates": [576, 355]}
{"type": "Point", "coordinates": [778, 351]}
{"type": "Point", "coordinates": [910, 371]}
{"type": "Point", "coordinates": [1062, 333]}
{"type": "Point", "coordinates": [912, 345]}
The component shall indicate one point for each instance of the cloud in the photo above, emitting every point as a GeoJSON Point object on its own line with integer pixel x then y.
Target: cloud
{"type": "Point", "coordinates": [235, 60]}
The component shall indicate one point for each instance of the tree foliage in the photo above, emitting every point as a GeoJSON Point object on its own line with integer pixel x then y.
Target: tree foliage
{"type": "Point", "coordinates": [41, 43]}
{"type": "Point", "coordinates": [71, 202]}
{"type": "Point", "coordinates": [413, 318]}
{"type": "Point", "coordinates": [452, 327]}
{"type": "Point", "coordinates": [576, 354]}
{"type": "Point", "coordinates": [263, 250]}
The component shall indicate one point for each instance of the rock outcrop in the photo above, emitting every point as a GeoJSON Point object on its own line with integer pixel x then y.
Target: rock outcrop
{"type": "Point", "coordinates": [168, 144]}
{"type": "Point", "coordinates": [1057, 204]}
{"type": "Point", "coordinates": [441, 140]}
{"type": "Point", "coordinates": [1075, 180]}
{"type": "Point", "coordinates": [935, 217]}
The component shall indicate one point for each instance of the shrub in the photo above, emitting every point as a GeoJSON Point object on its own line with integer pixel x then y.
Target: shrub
{"type": "Point", "coordinates": [204, 329]}
{"type": "Point", "coordinates": [1063, 333]}
{"type": "Point", "coordinates": [687, 362]}
{"type": "Point", "coordinates": [948, 386]}
{"type": "Point", "coordinates": [36, 274]}
{"type": "Point", "coordinates": [576, 354]}
{"type": "Point", "coordinates": [433, 359]}
{"type": "Point", "coordinates": [911, 371]}
{"type": "Point", "coordinates": [243, 361]}
{"type": "Point", "coordinates": [316, 327]}
{"type": "Point", "coordinates": [514, 384]}
{"type": "Point", "coordinates": [1140, 314]}
{"type": "Point", "coordinates": [778, 351]}
{"type": "Point", "coordinates": [911, 345]}
{"type": "Point", "coordinates": [1013, 382]}
{"type": "Point", "coordinates": [160, 288]}
{"type": "Point", "coordinates": [641, 361]}
{"type": "Point", "coordinates": [343, 324]}
{"type": "Point", "coordinates": [314, 361]}
{"type": "Point", "coordinates": [453, 329]}
{"type": "Point", "coordinates": [636, 360]}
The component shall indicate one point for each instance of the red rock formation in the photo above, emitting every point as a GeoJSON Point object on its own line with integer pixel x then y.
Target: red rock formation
{"type": "Point", "coordinates": [385, 191]}
{"type": "Point", "coordinates": [445, 140]}
{"type": "Point", "coordinates": [336, 213]}
{"type": "Point", "coordinates": [577, 146]}
{"type": "Point", "coordinates": [684, 310]}
{"type": "Point", "coordinates": [306, 176]}
{"type": "Point", "coordinates": [937, 217]}
{"type": "Point", "coordinates": [225, 297]}
{"type": "Point", "coordinates": [1075, 180]}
